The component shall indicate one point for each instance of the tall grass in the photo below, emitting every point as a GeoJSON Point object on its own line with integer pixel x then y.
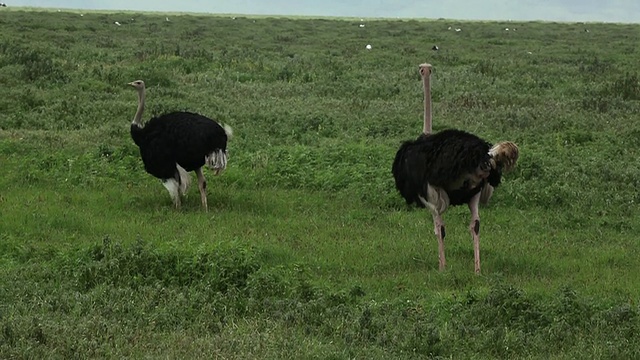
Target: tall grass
{"type": "Point", "coordinates": [308, 251]}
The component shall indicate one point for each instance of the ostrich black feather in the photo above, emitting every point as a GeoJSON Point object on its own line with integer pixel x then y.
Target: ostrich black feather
{"type": "Point", "coordinates": [444, 160]}
{"type": "Point", "coordinates": [181, 138]}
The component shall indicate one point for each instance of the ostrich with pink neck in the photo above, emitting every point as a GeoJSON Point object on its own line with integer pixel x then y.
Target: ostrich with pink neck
{"type": "Point", "coordinates": [448, 168]}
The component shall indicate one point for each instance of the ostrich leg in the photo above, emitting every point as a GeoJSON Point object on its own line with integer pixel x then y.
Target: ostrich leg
{"type": "Point", "coordinates": [202, 186]}
{"type": "Point", "coordinates": [474, 228]}
{"type": "Point", "coordinates": [438, 225]}
{"type": "Point", "coordinates": [437, 203]}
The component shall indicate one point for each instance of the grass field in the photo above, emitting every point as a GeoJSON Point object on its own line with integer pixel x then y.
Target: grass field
{"type": "Point", "coordinates": [308, 251]}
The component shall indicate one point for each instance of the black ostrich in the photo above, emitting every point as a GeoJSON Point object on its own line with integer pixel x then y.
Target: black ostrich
{"type": "Point", "coordinates": [451, 167]}
{"type": "Point", "coordinates": [175, 143]}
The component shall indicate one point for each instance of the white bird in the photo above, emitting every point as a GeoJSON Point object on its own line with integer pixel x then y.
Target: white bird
{"type": "Point", "coordinates": [117, 23]}
{"type": "Point", "coordinates": [166, 18]}
{"type": "Point", "coordinates": [458, 29]}
{"type": "Point", "coordinates": [361, 25]}
{"type": "Point", "coordinates": [81, 14]}
{"type": "Point", "coordinates": [368, 47]}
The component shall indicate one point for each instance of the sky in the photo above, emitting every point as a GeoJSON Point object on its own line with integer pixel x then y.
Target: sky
{"type": "Point", "coordinates": [625, 11]}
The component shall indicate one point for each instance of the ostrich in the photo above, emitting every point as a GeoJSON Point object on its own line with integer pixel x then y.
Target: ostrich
{"type": "Point", "coordinates": [175, 143]}
{"type": "Point", "coordinates": [451, 167]}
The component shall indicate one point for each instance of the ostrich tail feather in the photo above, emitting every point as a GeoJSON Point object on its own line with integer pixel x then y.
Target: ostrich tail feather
{"type": "Point", "coordinates": [228, 130]}
{"type": "Point", "coordinates": [505, 154]}
{"type": "Point", "coordinates": [217, 161]}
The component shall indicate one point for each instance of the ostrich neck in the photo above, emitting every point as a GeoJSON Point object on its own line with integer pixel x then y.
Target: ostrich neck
{"type": "Point", "coordinates": [427, 104]}
{"type": "Point", "coordinates": [137, 119]}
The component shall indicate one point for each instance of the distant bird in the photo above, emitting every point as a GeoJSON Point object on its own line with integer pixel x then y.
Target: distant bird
{"type": "Point", "coordinates": [3, 5]}
{"type": "Point", "coordinates": [175, 143]}
{"type": "Point", "coordinates": [435, 48]}
{"type": "Point", "coordinates": [117, 23]}
{"type": "Point", "coordinates": [166, 18]}
{"type": "Point", "coordinates": [368, 46]}
{"type": "Point", "coordinates": [361, 25]}
{"type": "Point", "coordinates": [451, 167]}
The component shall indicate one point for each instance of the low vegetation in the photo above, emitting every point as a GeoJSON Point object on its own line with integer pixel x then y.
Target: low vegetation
{"type": "Point", "coordinates": [307, 250]}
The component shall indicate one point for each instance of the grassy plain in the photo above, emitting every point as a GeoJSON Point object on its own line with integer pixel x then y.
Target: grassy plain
{"type": "Point", "coordinates": [308, 251]}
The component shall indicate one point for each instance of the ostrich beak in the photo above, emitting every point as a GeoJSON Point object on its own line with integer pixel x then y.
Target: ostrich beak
{"type": "Point", "coordinates": [131, 83]}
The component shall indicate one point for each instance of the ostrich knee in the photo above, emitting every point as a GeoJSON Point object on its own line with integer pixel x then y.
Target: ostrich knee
{"type": "Point", "coordinates": [202, 186]}
{"type": "Point", "coordinates": [438, 225]}
{"type": "Point", "coordinates": [474, 227]}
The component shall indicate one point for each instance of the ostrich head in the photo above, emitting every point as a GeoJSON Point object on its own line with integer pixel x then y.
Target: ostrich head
{"type": "Point", "coordinates": [138, 84]}
{"type": "Point", "coordinates": [425, 69]}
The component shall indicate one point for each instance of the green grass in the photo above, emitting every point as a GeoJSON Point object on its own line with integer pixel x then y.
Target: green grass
{"type": "Point", "coordinates": [307, 250]}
